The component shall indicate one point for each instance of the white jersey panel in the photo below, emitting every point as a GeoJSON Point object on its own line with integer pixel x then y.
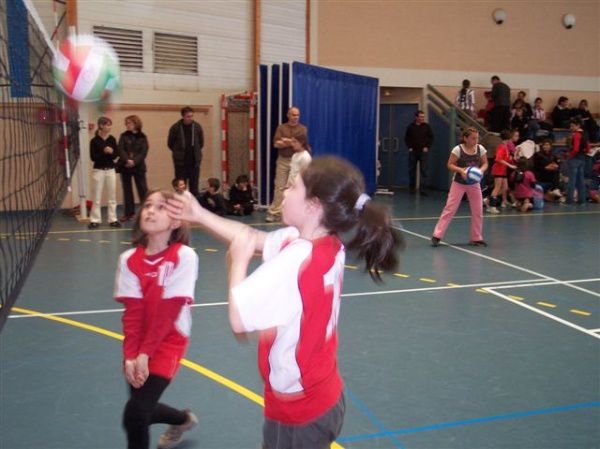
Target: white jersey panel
{"type": "Point", "coordinates": [127, 284]}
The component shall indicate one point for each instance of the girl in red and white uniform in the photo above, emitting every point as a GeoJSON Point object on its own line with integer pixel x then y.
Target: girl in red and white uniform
{"type": "Point", "coordinates": [155, 282]}
{"type": "Point", "coordinates": [293, 298]}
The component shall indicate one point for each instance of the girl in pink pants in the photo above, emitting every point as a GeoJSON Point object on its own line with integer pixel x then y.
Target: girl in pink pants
{"type": "Point", "coordinates": [468, 154]}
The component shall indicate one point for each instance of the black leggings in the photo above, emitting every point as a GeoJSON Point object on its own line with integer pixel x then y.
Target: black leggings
{"type": "Point", "coordinates": [143, 409]}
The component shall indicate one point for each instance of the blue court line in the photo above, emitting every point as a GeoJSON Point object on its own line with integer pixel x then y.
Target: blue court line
{"type": "Point", "coordinates": [373, 418]}
{"type": "Point", "coordinates": [468, 422]}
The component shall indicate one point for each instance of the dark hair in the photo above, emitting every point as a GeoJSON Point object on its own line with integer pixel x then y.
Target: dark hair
{"type": "Point", "coordinates": [506, 134]}
{"type": "Point", "coordinates": [522, 163]}
{"type": "Point", "coordinates": [575, 121]}
{"type": "Point", "coordinates": [562, 98]}
{"type": "Point", "coordinates": [466, 84]}
{"type": "Point", "coordinates": [180, 234]}
{"type": "Point", "coordinates": [537, 98]}
{"type": "Point", "coordinates": [547, 140]}
{"type": "Point", "coordinates": [495, 78]}
{"type": "Point", "coordinates": [337, 185]}
{"type": "Point", "coordinates": [185, 110]}
{"type": "Point", "coordinates": [101, 122]}
{"type": "Point", "coordinates": [523, 92]}
{"type": "Point", "coordinates": [214, 183]}
{"type": "Point", "coordinates": [176, 181]}
{"type": "Point", "coordinates": [241, 178]}
{"type": "Point", "coordinates": [419, 112]}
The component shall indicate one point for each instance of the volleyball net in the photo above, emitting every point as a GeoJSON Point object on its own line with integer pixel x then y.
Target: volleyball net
{"type": "Point", "coordinates": [39, 146]}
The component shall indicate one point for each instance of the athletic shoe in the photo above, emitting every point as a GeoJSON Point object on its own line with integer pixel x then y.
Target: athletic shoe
{"type": "Point", "coordinates": [493, 210]}
{"type": "Point", "coordinates": [477, 243]}
{"type": "Point", "coordinates": [125, 218]}
{"type": "Point", "coordinates": [115, 224]}
{"type": "Point", "coordinates": [271, 218]}
{"type": "Point", "coordinates": [435, 241]}
{"type": "Point", "coordinates": [174, 434]}
{"type": "Point", "coordinates": [93, 225]}
{"type": "Point", "coordinates": [486, 202]}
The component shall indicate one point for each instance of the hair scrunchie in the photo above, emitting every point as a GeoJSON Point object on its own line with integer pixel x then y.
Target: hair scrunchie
{"type": "Point", "coordinates": [360, 202]}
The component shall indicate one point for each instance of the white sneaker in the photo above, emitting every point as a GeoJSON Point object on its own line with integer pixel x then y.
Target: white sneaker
{"type": "Point", "coordinates": [493, 210]}
{"type": "Point", "coordinates": [174, 434]}
{"type": "Point", "coordinates": [557, 193]}
{"type": "Point", "coordinates": [486, 202]}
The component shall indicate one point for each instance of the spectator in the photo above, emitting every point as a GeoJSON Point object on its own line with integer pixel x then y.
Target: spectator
{"type": "Point", "coordinates": [500, 115]}
{"type": "Point", "coordinates": [561, 114]}
{"type": "Point", "coordinates": [300, 159]}
{"type": "Point", "coordinates": [546, 170]}
{"type": "Point", "coordinates": [538, 121]}
{"type": "Point", "coordinates": [179, 185]}
{"type": "Point", "coordinates": [103, 152]}
{"type": "Point", "coordinates": [211, 199]}
{"type": "Point", "coordinates": [132, 149]}
{"type": "Point", "coordinates": [286, 141]}
{"type": "Point", "coordinates": [418, 139]}
{"type": "Point", "coordinates": [186, 140]}
{"type": "Point", "coordinates": [465, 99]}
{"type": "Point", "coordinates": [576, 162]}
{"type": "Point", "coordinates": [527, 111]}
{"type": "Point", "coordinates": [524, 182]}
{"type": "Point", "coordinates": [241, 201]}
{"type": "Point", "coordinates": [521, 123]}
{"type": "Point", "coordinates": [587, 121]}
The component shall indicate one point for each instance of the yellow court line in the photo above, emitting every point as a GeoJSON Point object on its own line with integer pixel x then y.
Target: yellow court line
{"type": "Point", "coordinates": [63, 239]}
{"type": "Point", "coordinates": [431, 281]}
{"type": "Point", "coordinates": [351, 267]}
{"type": "Point", "coordinates": [248, 394]}
{"type": "Point", "coordinates": [480, 290]}
{"type": "Point", "coordinates": [84, 240]}
{"type": "Point", "coordinates": [211, 250]}
{"type": "Point", "coordinates": [516, 298]}
{"type": "Point", "coordinates": [450, 284]}
{"type": "Point", "coordinates": [402, 275]}
{"type": "Point", "coordinates": [580, 312]}
{"type": "Point", "coordinates": [546, 304]}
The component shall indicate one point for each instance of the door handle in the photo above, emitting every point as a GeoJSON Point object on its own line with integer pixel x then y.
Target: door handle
{"type": "Point", "coordinates": [383, 146]}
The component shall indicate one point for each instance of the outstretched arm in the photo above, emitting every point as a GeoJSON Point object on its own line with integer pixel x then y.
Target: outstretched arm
{"type": "Point", "coordinates": [185, 207]}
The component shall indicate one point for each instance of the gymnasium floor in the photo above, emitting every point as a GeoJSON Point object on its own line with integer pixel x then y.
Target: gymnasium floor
{"type": "Point", "coordinates": [462, 348]}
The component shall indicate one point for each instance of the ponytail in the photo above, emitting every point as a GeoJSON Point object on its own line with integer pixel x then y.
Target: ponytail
{"type": "Point", "coordinates": [376, 241]}
{"type": "Point", "coordinates": [339, 187]}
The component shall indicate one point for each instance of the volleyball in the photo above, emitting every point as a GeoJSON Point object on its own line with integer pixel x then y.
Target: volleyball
{"type": "Point", "coordinates": [86, 68]}
{"type": "Point", "coordinates": [474, 175]}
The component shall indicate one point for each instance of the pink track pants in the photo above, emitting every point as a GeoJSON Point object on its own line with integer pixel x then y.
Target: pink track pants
{"type": "Point", "coordinates": [457, 190]}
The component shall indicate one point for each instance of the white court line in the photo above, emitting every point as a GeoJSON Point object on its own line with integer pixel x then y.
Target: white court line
{"type": "Point", "coordinates": [444, 287]}
{"type": "Point", "coordinates": [594, 330]}
{"type": "Point", "coordinates": [345, 295]}
{"type": "Point", "coordinates": [501, 262]}
{"type": "Point", "coordinates": [541, 312]}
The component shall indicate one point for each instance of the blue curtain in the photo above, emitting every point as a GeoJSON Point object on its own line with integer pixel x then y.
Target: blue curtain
{"type": "Point", "coordinates": [340, 111]}
{"type": "Point", "coordinates": [262, 149]}
{"type": "Point", "coordinates": [18, 48]}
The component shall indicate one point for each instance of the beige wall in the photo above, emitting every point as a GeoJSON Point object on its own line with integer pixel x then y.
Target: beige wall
{"type": "Point", "coordinates": [157, 121]}
{"type": "Point", "coordinates": [460, 35]}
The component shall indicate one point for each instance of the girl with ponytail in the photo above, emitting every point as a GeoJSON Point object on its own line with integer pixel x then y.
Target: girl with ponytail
{"type": "Point", "coordinates": [293, 298]}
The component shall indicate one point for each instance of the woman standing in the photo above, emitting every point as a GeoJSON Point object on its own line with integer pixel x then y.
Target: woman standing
{"type": "Point", "coordinates": [468, 154]}
{"type": "Point", "coordinates": [133, 149]}
{"type": "Point", "coordinates": [103, 152]}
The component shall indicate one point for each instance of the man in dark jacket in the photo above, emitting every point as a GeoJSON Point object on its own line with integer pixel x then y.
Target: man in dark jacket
{"type": "Point", "coordinates": [500, 115]}
{"type": "Point", "coordinates": [418, 139]}
{"type": "Point", "coordinates": [186, 140]}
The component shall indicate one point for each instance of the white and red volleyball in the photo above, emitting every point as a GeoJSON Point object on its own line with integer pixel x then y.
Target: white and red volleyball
{"type": "Point", "coordinates": [86, 68]}
{"type": "Point", "coordinates": [474, 175]}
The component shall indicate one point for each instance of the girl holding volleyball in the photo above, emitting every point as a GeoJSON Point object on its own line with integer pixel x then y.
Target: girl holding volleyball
{"type": "Point", "coordinates": [463, 156]}
{"type": "Point", "coordinates": [293, 298]}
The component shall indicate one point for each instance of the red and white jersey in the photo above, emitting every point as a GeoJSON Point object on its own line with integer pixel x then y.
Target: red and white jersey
{"type": "Point", "coordinates": [293, 298]}
{"type": "Point", "coordinates": [157, 291]}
